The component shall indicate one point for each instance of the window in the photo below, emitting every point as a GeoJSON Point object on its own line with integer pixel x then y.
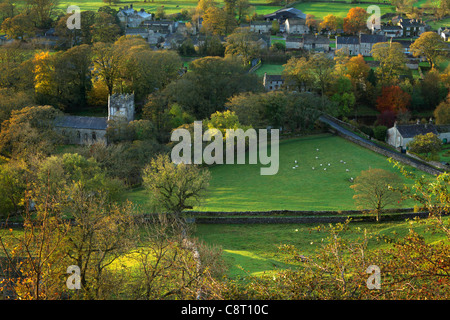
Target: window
{"type": "Point", "coordinates": [94, 136]}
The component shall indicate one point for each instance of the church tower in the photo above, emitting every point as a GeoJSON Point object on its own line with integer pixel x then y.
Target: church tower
{"type": "Point", "coordinates": [121, 107]}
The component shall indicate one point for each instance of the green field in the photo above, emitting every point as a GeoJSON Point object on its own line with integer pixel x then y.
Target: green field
{"type": "Point", "coordinates": [170, 6]}
{"type": "Point", "coordinates": [271, 69]}
{"type": "Point", "coordinates": [321, 9]}
{"type": "Point", "coordinates": [242, 188]}
{"type": "Point", "coordinates": [253, 249]}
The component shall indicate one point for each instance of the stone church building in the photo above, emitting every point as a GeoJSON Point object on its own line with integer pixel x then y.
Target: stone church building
{"type": "Point", "coordinates": [89, 130]}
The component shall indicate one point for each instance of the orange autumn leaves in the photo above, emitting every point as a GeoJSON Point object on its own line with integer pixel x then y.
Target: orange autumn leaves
{"type": "Point", "coordinates": [393, 99]}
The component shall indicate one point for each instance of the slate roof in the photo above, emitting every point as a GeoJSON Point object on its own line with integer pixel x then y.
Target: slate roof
{"type": "Point", "coordinates": [347, 40]}
{"type": "Point", "coordinates": [274, 77]}
{"type": "Point", "coordinates": [293, 39]}
{"type": "Point", "coordinates": [412, 130]}
{"type": "Point", "coordinates": [392, 28]}
{"type": "Point", "coordinates": [286, 13]}
{"type": "Point", "coordinates": [78, 122]}
{"type": "Point", "coordinates": [296, 22]}
{"type": "Point", "coordinates": [310, 38]}
{"type": "Point", "coordinates": [406, 23]}
{"type": "Point", "coordinates": [372, 38]}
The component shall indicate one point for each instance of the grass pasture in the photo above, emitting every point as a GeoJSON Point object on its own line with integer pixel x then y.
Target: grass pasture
{"type": "Point", "coordinates": [271, 69]}
{"type": "Point", "coordinates": [240, 187]}
{"type": "Point", "coordinates": [170, 6]}
{"type": "Point", "coordinates": [254, 249]}
{"type": "Point", "coordinates": [321, 9]}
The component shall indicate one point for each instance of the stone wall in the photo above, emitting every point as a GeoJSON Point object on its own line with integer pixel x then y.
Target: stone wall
{"type": "Point", "coordinates": [282, 220]}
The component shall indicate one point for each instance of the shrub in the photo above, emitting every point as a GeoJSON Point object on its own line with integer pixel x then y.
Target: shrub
{"type": "Point", "coordinates": [425, 143]}
{"type": "Point", "coordinates": [367, 130]}
{"type": "Point", "coordinates": [379, 132]}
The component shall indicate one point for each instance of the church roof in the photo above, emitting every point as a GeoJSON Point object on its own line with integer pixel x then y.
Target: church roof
{"type": "Point", "coordinates": [79, 122]}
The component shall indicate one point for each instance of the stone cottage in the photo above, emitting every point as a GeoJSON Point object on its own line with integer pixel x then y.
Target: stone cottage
{"type": "Point", "coordinates": [272, 82]}
{"type": "Point", "coordinates": [316, 42]}
{"type": "Point", "coordinates": [296, 26]}
{"type": "Point", "coordinates": [400, 135]}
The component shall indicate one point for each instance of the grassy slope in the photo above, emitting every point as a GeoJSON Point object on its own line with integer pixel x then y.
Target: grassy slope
{"type": "Point", "coordinates": [270, 69]}
{"type": "Point", "coordinates": [241, 187]}
{"type": "Point", "coordinates": [170, 6]}
{"type": "Point", "coordinates": [321, 9]}
{"type": "Point", "coordinates": [254, 248]}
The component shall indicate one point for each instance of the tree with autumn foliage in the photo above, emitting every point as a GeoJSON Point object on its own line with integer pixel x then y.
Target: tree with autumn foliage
{"type": "Point", "coordinates": [311, 22]}
{"type": "Point", "coordinates": [394, 99]}
{"type": "Point", "coordinates": [331, 23]}
{"type": "Point", "coordinates": [429, 45]}
{"type": "Point", "coordinates": [19, 27]}
{"type": "Point", "coordinates": [392, 61]}
{"type": "Point", "coordinates": [43, 76]}
{"type": "Point", "coordinates": [356, 20]}
{"type": "Point", "coordinates": [442, 112]}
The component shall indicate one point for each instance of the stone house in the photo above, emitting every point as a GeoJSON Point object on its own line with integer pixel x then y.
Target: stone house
{"type": "Point", "coordinates": [351, 43]}
{"type": "Point", "coordinates": [400, 135]}
{"type": "Point", "coordinates": [293, 43]}
{"type": "Point", "coordinates": [316, 42]}
{"type": "Point", "coordinates": [390, 31]}
{"type": "Point", "coordinates": [131, 18]}
{"type": "Point", "coordinates": [161, 26]}
{"type": "Point", "coordinates": [272, 82]}
{"type": "Point", "coordinates": [412, 27]}
{"type": "Point", "coordinates": [296, 26]}
{"type": "Point", "coordinates": [260, 26]}
{"type": "Point", "coordinates": [361, 44]}
{"type": "Point", "coordinates": [366, 42]}
{"type": "Point", "coordinates": [89, 130]}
